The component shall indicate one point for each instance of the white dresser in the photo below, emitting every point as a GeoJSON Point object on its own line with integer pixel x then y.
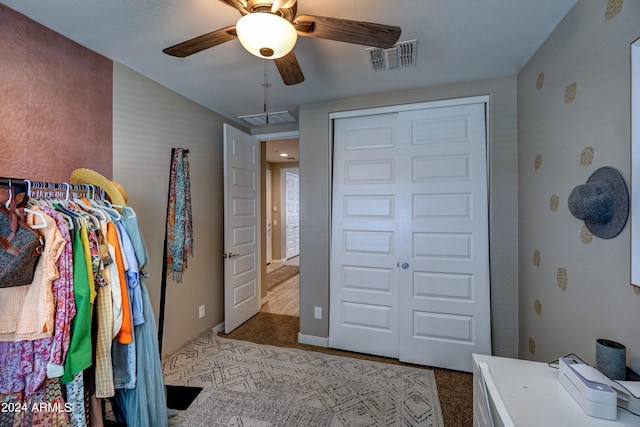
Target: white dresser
{"type": "Point", "coordinates": [529, 394]}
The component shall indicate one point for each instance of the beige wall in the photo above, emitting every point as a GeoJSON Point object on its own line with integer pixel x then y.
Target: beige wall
{"type": "Point", "coordinates": [148, 120]}
{"type": "Point", "coordinates": [573, 118]}
{"type": "Point", "coordinates": [315, 181]}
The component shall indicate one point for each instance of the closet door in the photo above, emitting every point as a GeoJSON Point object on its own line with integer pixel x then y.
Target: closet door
{"type": "Point", "coordinates": [365, 234]}
{"type": "Point", "coordinates": [444, 291]}
{"type": "Point", "coordinates": [409, 265]}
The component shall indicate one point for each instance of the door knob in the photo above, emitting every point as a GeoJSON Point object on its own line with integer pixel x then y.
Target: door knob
{"type": "Point", "coordinates": [405, 265]}
{"type": "Point", "coordinates": [230, 255]}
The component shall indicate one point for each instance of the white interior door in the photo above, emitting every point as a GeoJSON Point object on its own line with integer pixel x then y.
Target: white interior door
{"type": "Point", "coordinates": [409, 257]}
{"type": "Point", "coordinates": [364, 234]}
{"type": "Point", "coordinates": [444, 290]}
{"type": "Point", "coordinates": [292, 204]}
{"type": "Point", "coordinates": [269, 219]}
{"type": "Point", "coordinates": [241, 227]}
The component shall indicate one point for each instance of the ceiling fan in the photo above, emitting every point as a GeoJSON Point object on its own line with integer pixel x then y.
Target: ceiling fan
{"type": "Point", "coordinates": [269, 29]}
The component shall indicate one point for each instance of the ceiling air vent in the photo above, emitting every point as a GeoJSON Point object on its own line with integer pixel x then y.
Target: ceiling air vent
{"type": "Point", "coordinates": [402, 55]}
{"type": "Point", "coordinates": [274, 118]}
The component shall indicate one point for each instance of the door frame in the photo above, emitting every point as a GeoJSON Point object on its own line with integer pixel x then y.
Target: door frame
{"type": "Point", "coordinates": [263, 138]}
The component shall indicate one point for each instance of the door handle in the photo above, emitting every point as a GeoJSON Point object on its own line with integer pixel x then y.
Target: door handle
{"type": "Point", "coordinates": [405, 265]}
{"type": "Point", "coordinates": [230, 255]}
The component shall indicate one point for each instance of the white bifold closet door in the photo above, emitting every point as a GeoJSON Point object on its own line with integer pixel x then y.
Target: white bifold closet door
{"type": "Point", "coordinates": [409, 245]}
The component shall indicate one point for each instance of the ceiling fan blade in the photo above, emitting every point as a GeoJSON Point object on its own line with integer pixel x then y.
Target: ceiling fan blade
{"type": "Point", "coordinates": [344, 30]}
{"type": "Point", "coordinates": [240, 5]}
{"type": "Point", "coordinates": [289, 69]}
{"type": "Point", "coordinates": [200, 43]}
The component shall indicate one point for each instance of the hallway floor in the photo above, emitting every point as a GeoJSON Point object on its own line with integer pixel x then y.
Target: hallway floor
{"type": "Point", "coordinates": [285, 297]}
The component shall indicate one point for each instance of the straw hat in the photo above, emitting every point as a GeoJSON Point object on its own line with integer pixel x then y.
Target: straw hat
{"type": "Point", "coordinates": [603, 203]}
{"type": "Point", "coordinates": [87, 176]}
{"type": "Point", "coordinates": [122, 191]}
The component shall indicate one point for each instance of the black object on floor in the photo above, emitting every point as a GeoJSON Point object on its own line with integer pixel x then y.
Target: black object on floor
{"type": "Point", "coordinates": [180, 397]}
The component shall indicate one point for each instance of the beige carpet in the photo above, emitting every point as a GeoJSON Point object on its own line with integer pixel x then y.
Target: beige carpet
{"type": "Point", "coordinates": [248, 384]}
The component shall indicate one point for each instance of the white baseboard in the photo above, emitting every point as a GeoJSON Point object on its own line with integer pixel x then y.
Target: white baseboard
{"type": "Point", "coordinates": [313, 340]}
{"type": "Point", "coordinates": [219, 328]}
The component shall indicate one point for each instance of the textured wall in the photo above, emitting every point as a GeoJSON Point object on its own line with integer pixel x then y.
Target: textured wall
{"type": "Point", "coordinates": [149, 120]}
{"type": "Point", "coordinates": [573, 118]}
{"type": "Point", "coordinates": [55, 103]}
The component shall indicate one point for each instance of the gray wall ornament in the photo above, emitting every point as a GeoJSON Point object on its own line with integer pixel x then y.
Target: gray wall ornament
{"type": "Point", "coordinates": [602, 203]}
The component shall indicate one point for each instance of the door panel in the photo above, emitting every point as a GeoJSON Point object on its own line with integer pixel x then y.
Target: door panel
{"type": "Point", "coordinates": [363, 305]}
{"type": "Point", "coordinates": [241, 227]}
{"type": "Point", "coordinates": [269, 218]}
{"type": "Point", "coordinates": [445, 292]}
{"type": "Point", "coordinates": [292, 185]}
{"type": "Point", "coordinates": [409, 256]}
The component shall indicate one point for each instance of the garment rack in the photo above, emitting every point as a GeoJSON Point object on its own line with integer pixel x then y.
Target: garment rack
{"type": "Point", "coordinates": [52, 189]}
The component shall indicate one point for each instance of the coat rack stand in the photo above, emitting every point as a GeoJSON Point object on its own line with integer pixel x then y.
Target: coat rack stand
{"type": "Point", "coordinates": [178, 397]}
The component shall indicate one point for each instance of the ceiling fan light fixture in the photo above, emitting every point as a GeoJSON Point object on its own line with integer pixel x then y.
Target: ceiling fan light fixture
{"type": "Point", "coordinates": [266, 35]}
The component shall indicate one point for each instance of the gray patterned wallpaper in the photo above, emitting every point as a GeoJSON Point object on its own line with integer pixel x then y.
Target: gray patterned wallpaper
{"type": "Point", "coordinates": [573, 118]}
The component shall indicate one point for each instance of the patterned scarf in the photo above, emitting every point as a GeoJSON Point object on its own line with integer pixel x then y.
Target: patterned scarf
{"type": "Point", "coordinates": [179, 227]}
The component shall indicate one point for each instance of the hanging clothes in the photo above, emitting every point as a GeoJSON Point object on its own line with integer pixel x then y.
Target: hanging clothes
{"type": "Point", "coordinates": [179, 227]}
{"type": "Point", "coordinates": [65, 308]}
{"type": "Point", "coordinates": [79, 356]}
{"type": "Point", "coordinates": [146, 405]}
{"type": "Point", "coordinates": [28, 311]}
{"type": "Point", "coordinates": [125, 334]}
{"type": "Point", "coordinates": [84, 330]}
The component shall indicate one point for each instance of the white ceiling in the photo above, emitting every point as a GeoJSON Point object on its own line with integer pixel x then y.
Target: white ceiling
{"type": "Point", "coordinates": [277, 148]}
{"type": "Point", "coordinates": [458, 40]}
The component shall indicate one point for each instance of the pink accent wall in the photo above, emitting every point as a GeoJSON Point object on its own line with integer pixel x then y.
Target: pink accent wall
{"type": "Point", "coordinates": [55, 103]}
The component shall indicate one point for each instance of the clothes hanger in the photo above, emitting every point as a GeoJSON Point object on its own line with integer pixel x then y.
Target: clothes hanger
{"type": "Point", "coordinates": [55, 204]}
{"type": "Point", "coordinates": [109, 208]}
{"type": "Point", "coordinates": [70, 206]}
{"type": "Point", "coordinates": [102, 204]}
{"type": "Point", "coordinates": [40, 215]}
{"type": "Point", "coordinates": [68, 214]}
{"type": "Point", "coordinates": [86, 205]}
{"type": "Point", "coordinates": [39, 194]}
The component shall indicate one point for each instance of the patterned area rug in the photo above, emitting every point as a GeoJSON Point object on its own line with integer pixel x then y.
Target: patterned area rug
{"type": "Point", "coordinates": [281, 275]}
{"type": "Point", "coordinates": [247, 384]}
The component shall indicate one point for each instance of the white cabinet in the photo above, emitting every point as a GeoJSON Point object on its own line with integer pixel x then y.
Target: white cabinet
{"type": "Point", "coordinates": [531, 395]}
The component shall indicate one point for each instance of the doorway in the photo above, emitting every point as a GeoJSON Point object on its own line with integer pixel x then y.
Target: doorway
{"type": "Point", "coordinates": [282, 289]}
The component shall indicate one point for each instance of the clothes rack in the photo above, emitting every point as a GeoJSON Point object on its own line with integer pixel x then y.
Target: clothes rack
{"type": "Point", "coordinates": [46, 189]}
{"type": "Point", "coordinates": [130, 401]}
